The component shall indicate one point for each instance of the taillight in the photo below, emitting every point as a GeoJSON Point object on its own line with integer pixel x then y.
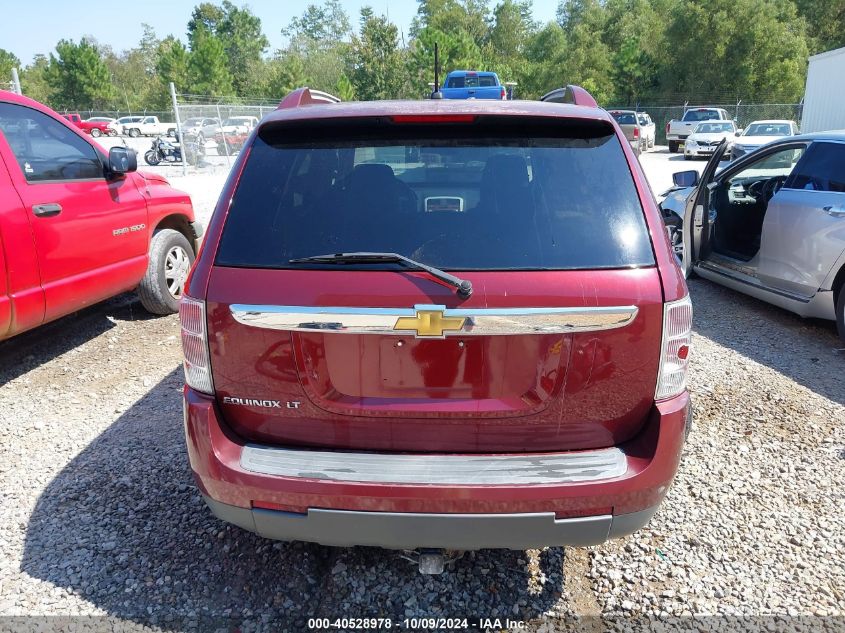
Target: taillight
{"type": "Point", "coordinates": [504, 93]}
{"type": "Point", "coordinates": [675, 348]}
{"type": "Point", "coordinates": [433, 118]}
{"type": "Point", "coordinates": [667, 128]}
{"type": "Point", "coordinates": [636, 132]}
{"type": "Point", "coordinates": [195, 344]}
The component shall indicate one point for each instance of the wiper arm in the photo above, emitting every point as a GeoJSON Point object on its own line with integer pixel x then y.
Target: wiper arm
{"type": "Point", "coordinates": [463, 286]}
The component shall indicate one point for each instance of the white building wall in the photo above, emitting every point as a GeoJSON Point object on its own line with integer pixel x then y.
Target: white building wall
{"type": "Point", "coordinates": [824, 95]}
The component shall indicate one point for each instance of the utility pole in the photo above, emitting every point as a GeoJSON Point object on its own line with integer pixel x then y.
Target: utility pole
{"type": "Point", "coordinates": [183, 150]}
{"type": "Point", "coordinates": [16, 82]}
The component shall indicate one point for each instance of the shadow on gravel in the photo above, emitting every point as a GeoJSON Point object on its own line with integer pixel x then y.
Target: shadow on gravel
{"type": "Point", "coordinates": [24, 352]}
{"type": "Point", "coordinates": [805, 350]}
{"type": "Point", "coordinates": [123, 527]}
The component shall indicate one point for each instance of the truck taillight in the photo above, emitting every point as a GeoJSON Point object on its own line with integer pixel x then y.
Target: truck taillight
{"type": "Point", "coordinates": [636, 132]}
{"type": "Point", "coordinates": [195, 344]}
{"type": "Point", "coordinates": [667, 128]}
{"type": "Point", "coordinates": [504, 93]}
{"type": "Point", "coordinates": [675, 348]}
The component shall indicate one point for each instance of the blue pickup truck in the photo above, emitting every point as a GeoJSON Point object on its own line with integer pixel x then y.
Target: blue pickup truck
{"type": "Point", "coordinates": [472, 84]}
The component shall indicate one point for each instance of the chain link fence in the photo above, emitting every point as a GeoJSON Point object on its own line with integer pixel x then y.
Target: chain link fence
{"type": "Point", "coordinates": [743, 113]}
{"type": "Point", "coordinates": [220, 128]}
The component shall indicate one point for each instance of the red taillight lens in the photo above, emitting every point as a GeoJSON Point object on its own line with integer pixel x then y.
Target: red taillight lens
{"type": "Point", "coordinates": [504, 94]}
{"type": "Point", "coordinates": [667, 128]}
{"type": "Point", "coordinates": [675, 348]}
{"type": "Point", "coordinates": [195, 344]}
{"type": "Point", "coordinates": [636, 132]}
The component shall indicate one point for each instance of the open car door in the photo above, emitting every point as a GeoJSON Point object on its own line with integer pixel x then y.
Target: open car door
{"type": "Point", "coordinates": [696, 218]}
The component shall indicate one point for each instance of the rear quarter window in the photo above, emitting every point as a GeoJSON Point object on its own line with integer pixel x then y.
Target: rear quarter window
{"type": "Point", "coordinates": [494, 195]}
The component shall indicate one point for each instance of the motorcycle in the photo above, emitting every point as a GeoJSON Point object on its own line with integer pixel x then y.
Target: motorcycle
{"type": "Point", "coordinates": [163, 150]}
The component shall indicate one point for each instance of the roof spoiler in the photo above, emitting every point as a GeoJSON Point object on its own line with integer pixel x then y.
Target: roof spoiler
{"type": "Point", "coordinates": [305, 97]}
{"type": "Point", "coordinates": [575, 95]}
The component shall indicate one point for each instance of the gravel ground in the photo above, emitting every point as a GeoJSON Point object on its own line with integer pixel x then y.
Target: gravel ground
{"type": "Point", "coordinates": [100, 518]}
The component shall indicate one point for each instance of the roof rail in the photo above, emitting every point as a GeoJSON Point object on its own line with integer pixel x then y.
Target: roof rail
{"type": "Point", "coordinates": [306, 96]}
{"type": "Point", "coordinates": [575, 95]}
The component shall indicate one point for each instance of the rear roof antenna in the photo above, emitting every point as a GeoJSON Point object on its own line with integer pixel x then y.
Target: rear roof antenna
{"type": "Point", "coordinates": [436, 94]}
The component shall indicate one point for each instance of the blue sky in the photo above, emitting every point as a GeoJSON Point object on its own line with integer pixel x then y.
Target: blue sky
{"type": "Point", "coordinates": [35, 26]}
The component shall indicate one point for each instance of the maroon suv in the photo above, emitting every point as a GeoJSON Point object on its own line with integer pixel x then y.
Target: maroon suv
{"type": "Point", "coordinates": [436, 324]}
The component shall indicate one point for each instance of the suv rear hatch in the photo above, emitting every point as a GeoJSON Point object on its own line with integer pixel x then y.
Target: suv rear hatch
{"type": "Point", "coordinates": [557, 347]}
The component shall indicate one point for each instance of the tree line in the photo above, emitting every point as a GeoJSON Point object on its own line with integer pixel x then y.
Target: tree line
{"type": "Point", "coordinates": [623, 51]}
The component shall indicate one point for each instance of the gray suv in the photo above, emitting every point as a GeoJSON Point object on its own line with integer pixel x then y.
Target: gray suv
{"type": "Point", "coordinates": [771, 224]}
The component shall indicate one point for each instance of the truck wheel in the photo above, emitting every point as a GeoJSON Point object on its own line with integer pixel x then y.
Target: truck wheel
{"type": "Point", "coordinates": [673, 147]}
{"type": "Point", "coordinates": [95, 132]}
{"type": "Point", "coordinates": [171, 257]}
{"type": "Point", "coordinates": [134, 132]}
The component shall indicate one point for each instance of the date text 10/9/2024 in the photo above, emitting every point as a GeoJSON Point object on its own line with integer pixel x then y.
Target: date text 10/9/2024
{"type": "Point", "coordinates": [416, 624]}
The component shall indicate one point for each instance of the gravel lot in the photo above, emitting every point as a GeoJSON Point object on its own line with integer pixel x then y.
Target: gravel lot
{"type": "Point", "coordinates": [99, 515]}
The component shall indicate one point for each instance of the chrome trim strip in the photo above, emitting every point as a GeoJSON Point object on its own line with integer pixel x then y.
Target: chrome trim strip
{"type": "Point", "coordinates": [479, 321]}
{"type": "Point", "coordinates": [555, 468]}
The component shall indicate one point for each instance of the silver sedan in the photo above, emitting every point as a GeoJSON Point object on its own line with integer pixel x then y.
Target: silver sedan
{"type": "Point", "coordinates": [771, 224]}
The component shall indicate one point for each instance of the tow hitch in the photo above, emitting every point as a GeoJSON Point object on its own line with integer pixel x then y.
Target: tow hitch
{"type": "Point", "coordinates": [431, 561]}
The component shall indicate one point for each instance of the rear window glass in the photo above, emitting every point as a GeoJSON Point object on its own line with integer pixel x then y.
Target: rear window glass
{"type": "Point", "coordinates": [624, 118]}
{"type": "Point", "coordinates": [460, 197]}
{"type": "Point", "coordinates": [471, 81]}
{"type": "Point", "coordinates": [701, 115]}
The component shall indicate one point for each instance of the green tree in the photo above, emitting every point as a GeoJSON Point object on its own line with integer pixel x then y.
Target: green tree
{"type": "Point", "coordinates": [320, 36]}
{"type": "Point", "coordinates": [79, 77]}
{"type": "Point", "coordinates": [172, 61]}
{"type": "Point", "coordinates": [544, 53]}
{"type": "Point", "coordinates": [208, 72]}
{"type": "Point", "coordinates": [344, 90]}
{"type": "Point", "coordinates": [7, 62]}
{"type": "Point", "coordinates": [457, 51]}
{"type": "Point", "coordinates": [749, 49]}
{"type": "Point", "coordinates": [635, 32]}
{"type": "Point", "coordinates": [467, 17]}
{"type": "Point", "coordinates": [826, 22]}
{"type": "Point", "coordinates": [323, 25]}
{"type": "Point", "coordinates": [34, 79]}
{"type": "Point", "coordinates": [206, 16]}
{"type": "Point", "coordinates": [512, 26]}
{"type": "Point", "coordinates": [239, 31]}
{"type": "Point", "coordinates": [285, 73]}
{"type": "Point", "coordinates": [375, 59]}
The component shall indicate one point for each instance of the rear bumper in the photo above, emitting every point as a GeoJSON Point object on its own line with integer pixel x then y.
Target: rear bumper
{"type": "Point", "coordinates": [699, 151]}
{"type": "Point", "coordinates": [319, 506]}
{"type": "Point", "coordinates": [410, 530]}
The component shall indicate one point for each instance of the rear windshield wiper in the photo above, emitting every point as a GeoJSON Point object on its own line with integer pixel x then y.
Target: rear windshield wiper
{"type": "Point", "coordinates": [463, 286]}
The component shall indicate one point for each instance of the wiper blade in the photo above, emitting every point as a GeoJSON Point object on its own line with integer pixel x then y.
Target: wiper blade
{"type": "Point", "coordinates": [463, 286]}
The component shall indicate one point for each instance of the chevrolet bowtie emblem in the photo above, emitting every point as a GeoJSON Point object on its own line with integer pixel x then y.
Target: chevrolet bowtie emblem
{"type": "Point", "coordinates": [430, 323]}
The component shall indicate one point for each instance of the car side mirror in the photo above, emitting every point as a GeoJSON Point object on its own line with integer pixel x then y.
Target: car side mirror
{"type": "Point", "coordinates": [737, 133]}
{"type": "Point", "coordinates": [122, 160]}
{"type": "Point", "coordinates": [685, 178]}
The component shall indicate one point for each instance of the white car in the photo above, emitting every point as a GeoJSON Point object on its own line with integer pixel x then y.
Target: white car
{"type": "Point", "coordinates": [759, 133]}
{"type": "Point", "coordinates": [148, 126]}
{"type": "Point", "coordinates": [706, 138]}
{"type": "Point", "coordinates": [239, 124]}
{"type": "Point", "coordinates": [201, 128]}
{"type": "Point", "coordinates": [117, 125]}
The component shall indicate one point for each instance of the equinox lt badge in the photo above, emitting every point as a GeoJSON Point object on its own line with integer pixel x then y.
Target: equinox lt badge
{"type": "Point", "coordinates": [250, 402]}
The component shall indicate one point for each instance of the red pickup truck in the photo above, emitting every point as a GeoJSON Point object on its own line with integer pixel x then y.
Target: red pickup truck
{"type": "Point", "coordinates": [77, 226]}
{"type": "Point", "coordinates": [94, 128]}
